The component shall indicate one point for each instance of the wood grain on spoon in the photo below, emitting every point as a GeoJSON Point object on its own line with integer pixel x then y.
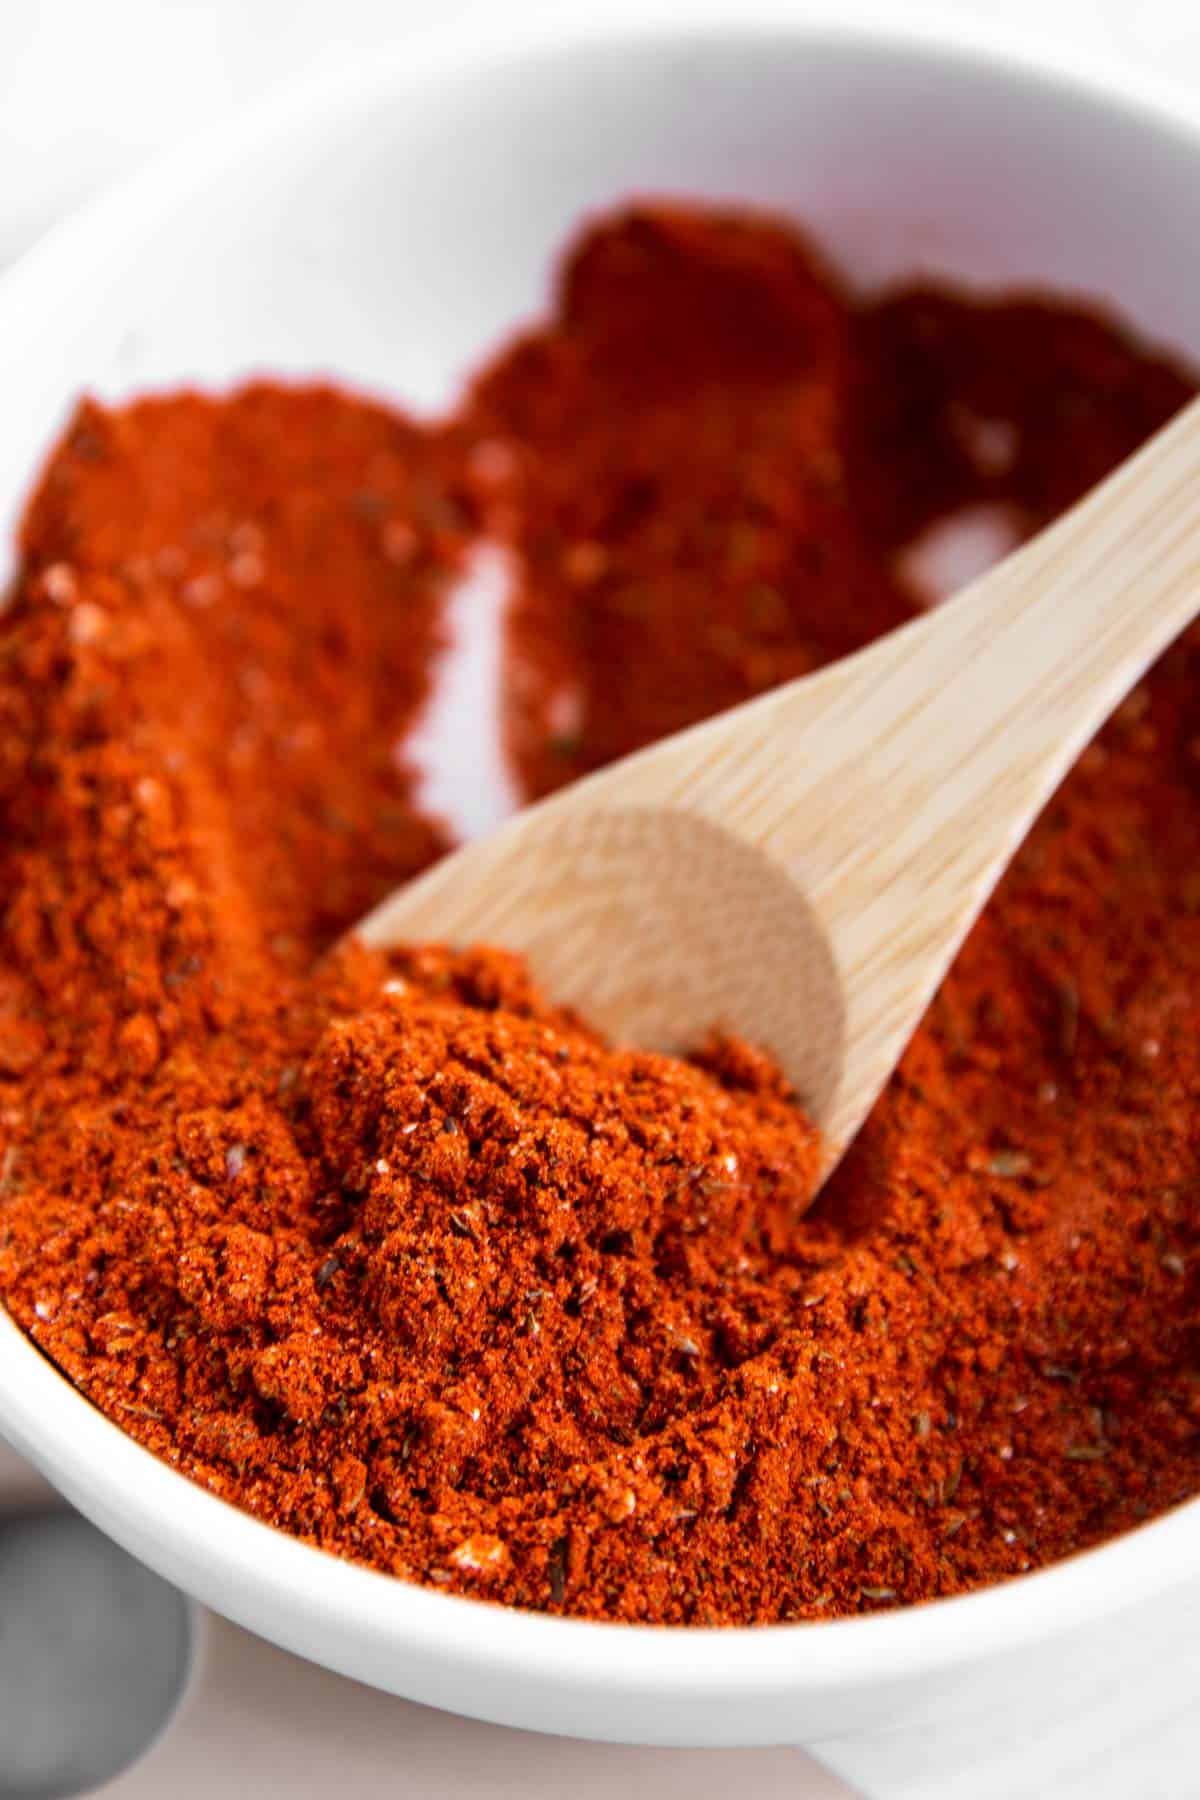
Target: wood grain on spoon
{"type": "Point", "coordinates": [802, 870]}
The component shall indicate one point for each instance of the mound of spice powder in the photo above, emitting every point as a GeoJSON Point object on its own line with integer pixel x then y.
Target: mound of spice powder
{"type": "Point", "coordinates": [399, 1256]}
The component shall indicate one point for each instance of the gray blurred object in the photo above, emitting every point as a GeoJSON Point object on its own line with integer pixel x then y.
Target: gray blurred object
{"type": "Point", "coordinates": [94, 1653]}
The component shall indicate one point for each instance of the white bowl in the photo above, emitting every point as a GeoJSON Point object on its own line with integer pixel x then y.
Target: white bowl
{"type": "Point", "coordinates": [390, 227]}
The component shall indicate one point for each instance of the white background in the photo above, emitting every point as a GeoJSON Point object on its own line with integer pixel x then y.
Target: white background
{"type": "Point", "coordinates": [88, 88]}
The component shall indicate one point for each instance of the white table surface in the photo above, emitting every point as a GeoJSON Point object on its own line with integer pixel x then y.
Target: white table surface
{"type": "Point", "coordinates": [87, 91]}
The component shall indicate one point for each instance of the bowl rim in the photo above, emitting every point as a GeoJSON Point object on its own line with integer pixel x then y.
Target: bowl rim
{"type": "Point", "coordinates": [292, 1591]}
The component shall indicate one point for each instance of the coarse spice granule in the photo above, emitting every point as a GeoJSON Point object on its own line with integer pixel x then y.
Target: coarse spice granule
{"type": "Point", "coordinates": [398, 1255]}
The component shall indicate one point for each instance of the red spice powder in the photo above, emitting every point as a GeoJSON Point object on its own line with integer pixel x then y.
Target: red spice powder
{"type": "Point", "coordinates": [399, 1256]}
{"type": "Point", "coordinates": [682, 511]}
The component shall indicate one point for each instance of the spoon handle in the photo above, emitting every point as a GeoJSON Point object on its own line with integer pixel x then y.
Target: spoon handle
{"type": "Point", "coordinates": [896, 785]}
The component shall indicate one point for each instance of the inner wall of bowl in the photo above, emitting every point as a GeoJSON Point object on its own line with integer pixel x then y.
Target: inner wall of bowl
{"type": "Point", "coordinates": [395, 242]}
{"type": "Point", "coordinates": [397, 246]}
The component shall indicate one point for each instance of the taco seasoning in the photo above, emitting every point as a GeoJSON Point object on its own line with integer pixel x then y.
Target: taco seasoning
{"type": "Point", "coordinates": [398, 1255]}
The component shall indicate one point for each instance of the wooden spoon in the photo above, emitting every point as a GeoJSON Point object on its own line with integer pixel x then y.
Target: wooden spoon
{"type": "Point", "coordinates": [801, 870]}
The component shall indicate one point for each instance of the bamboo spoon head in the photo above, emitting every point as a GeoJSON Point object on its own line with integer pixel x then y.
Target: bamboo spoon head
{"type": "Point", "coordinates": [658, 925]}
